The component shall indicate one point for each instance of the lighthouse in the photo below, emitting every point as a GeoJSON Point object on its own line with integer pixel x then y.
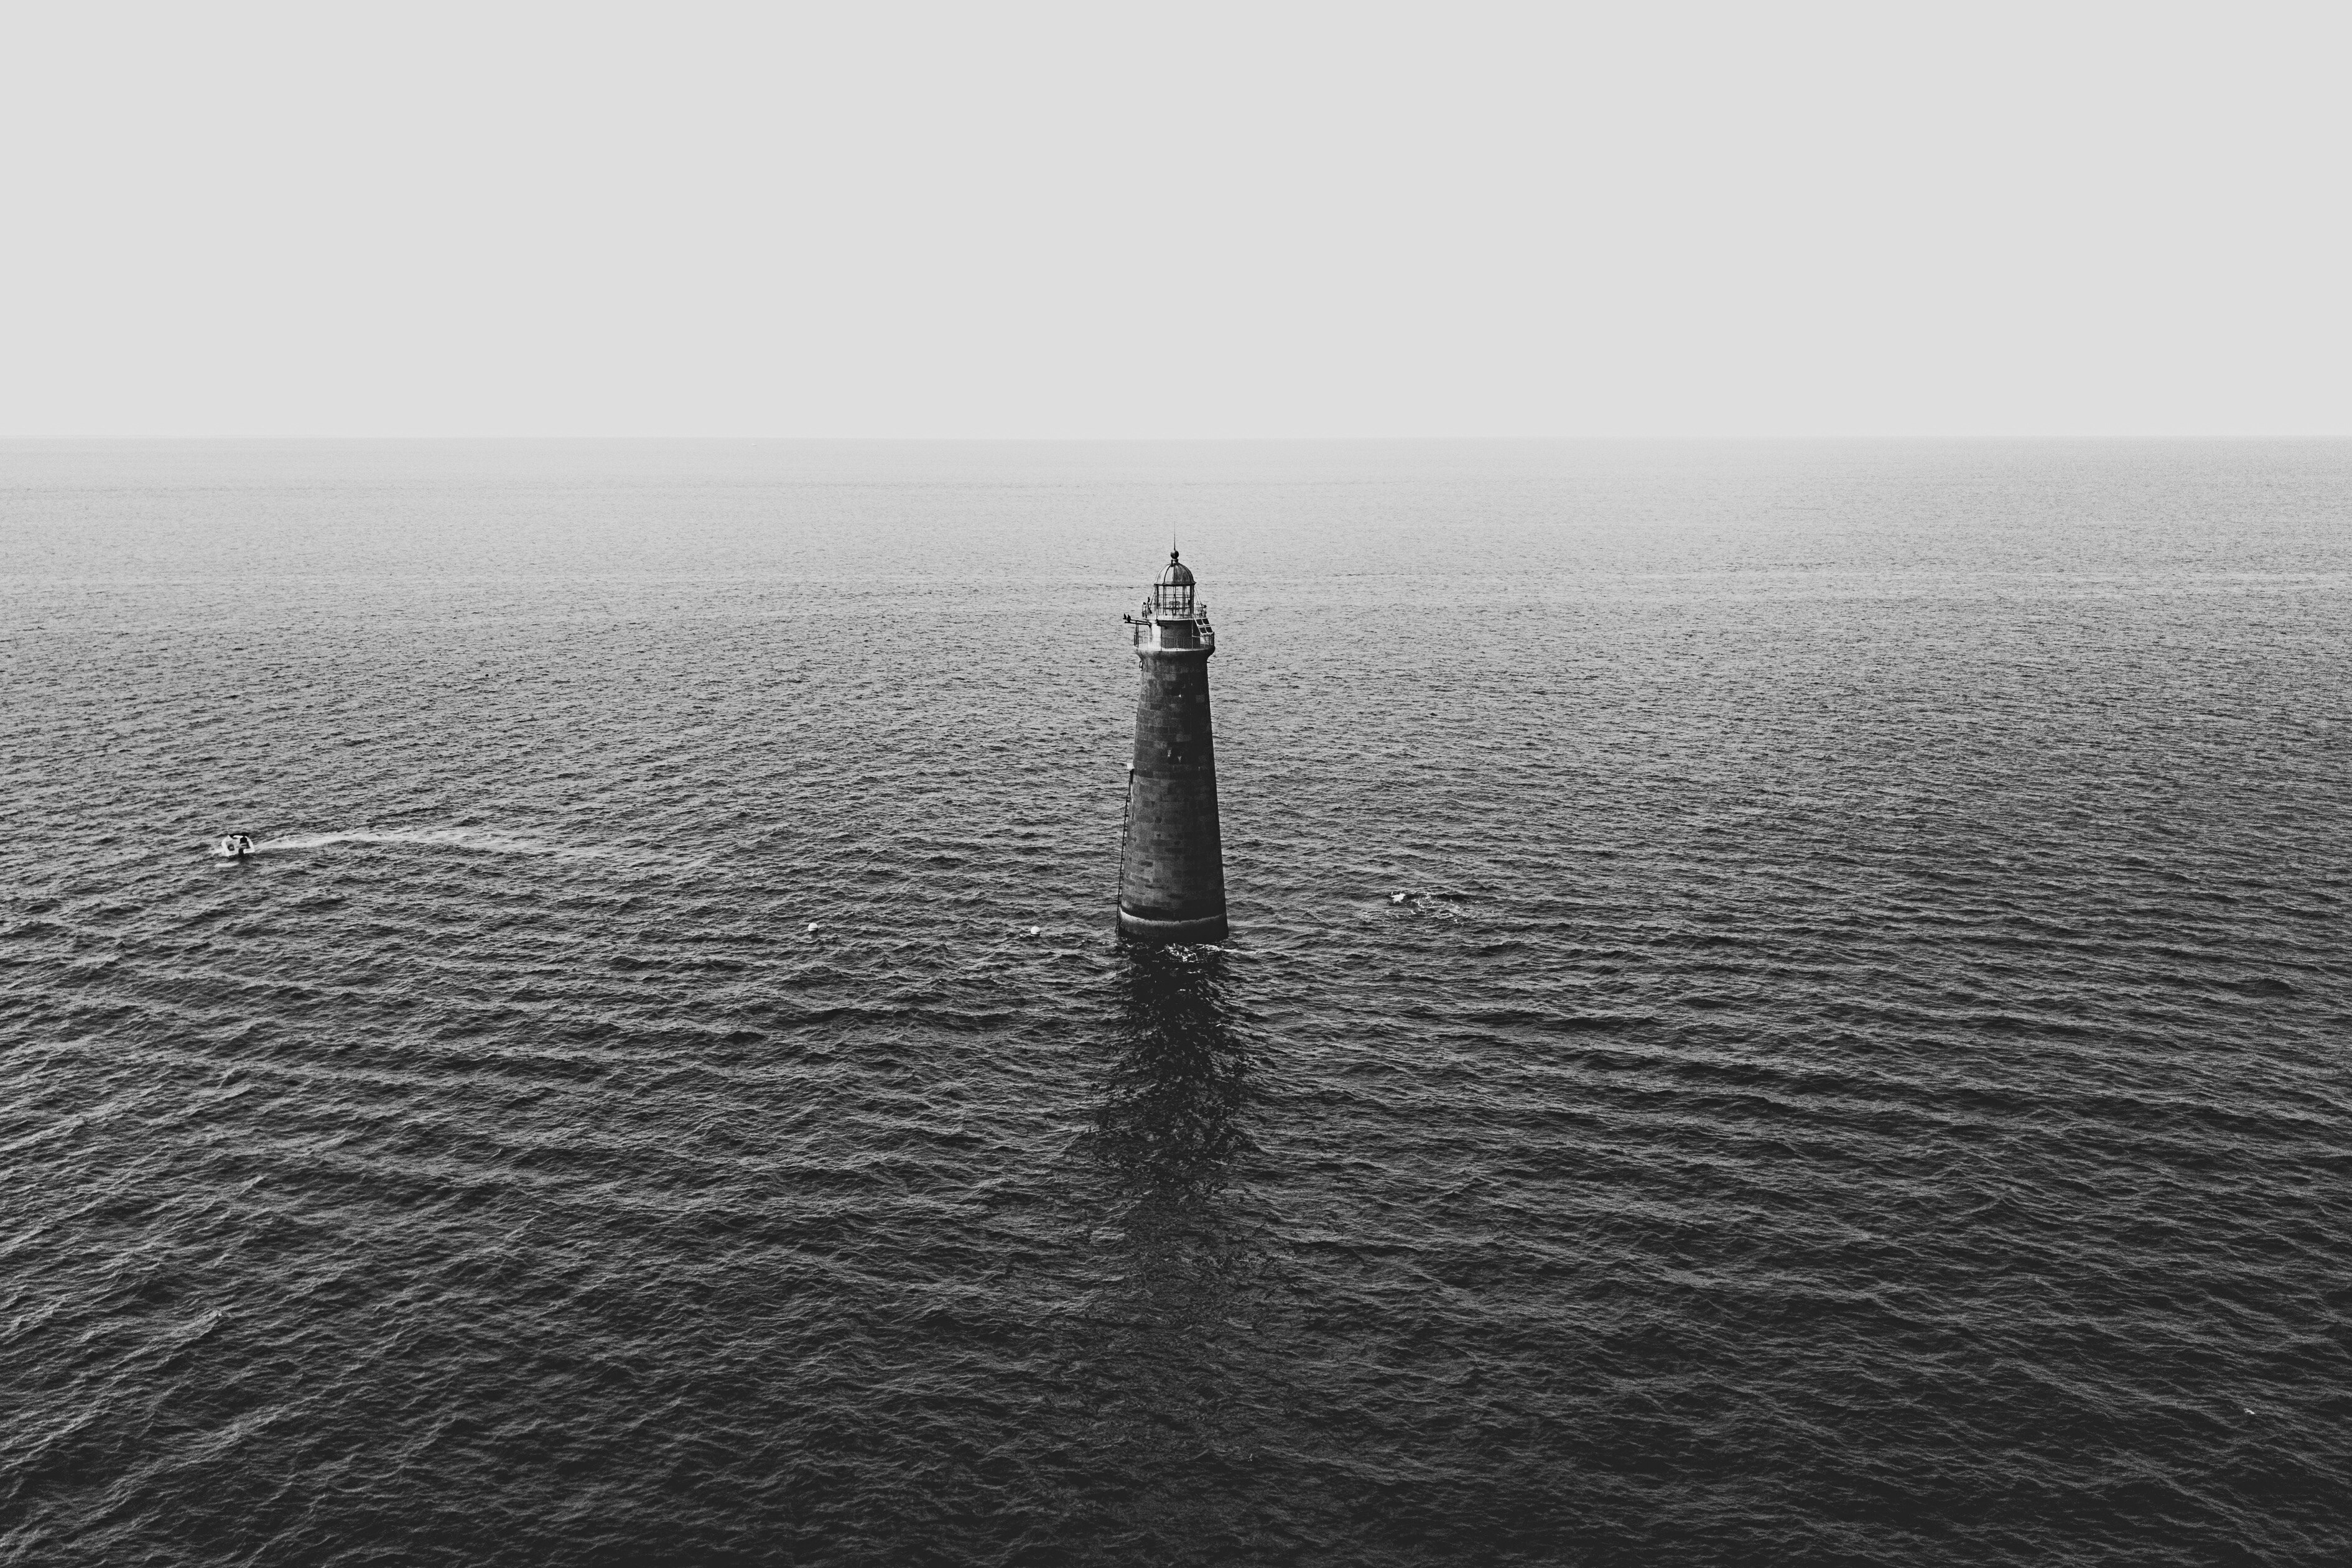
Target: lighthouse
{"type": "Point", "coordinates": [1171, 871]}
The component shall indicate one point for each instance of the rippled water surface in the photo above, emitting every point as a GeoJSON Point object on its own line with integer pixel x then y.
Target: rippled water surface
{"type": "Point", "coordinates": [1860, 1077]}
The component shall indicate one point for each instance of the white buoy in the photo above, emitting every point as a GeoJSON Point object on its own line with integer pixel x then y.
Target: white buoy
{"type": "Point", "coordinates": [1035, 929]}
{"type": "Point", "coordinates": [811, 926]}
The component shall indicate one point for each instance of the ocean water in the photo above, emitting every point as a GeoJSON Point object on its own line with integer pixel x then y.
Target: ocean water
{"type": "Point", "coordinates": [1861, 1076]}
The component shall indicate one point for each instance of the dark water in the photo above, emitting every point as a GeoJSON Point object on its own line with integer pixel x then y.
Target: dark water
{"type": "Point", "coordinates": [1864, 1081]}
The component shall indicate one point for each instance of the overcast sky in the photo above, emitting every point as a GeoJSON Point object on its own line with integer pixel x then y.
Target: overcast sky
{"type": "Point", "coordinates": [1184, 220]}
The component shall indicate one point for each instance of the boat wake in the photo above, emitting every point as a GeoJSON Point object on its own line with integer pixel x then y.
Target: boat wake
{"type": "Point", "coordinates": [472, 841]}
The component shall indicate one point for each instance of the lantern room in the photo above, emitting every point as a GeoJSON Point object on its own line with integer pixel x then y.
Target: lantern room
{"type": "Point", "coordinates": [1173, 594]}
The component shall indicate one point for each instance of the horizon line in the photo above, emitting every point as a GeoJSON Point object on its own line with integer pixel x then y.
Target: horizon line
{"type": "Point", "coordinates": [15, 439]}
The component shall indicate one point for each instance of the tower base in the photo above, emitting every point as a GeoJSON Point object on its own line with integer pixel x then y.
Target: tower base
{"type": "Point", "coordinates": [1136, 929]}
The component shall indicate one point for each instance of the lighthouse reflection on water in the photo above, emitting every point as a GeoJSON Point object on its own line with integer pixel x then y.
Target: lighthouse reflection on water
{"type": "Point", "coordinates": [1170, 1122]}
{"type": "Point", "coordinates": [1169, 1358]}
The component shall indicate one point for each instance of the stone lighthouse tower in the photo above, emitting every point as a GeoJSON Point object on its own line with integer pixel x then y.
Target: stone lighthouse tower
{"type": "Point", "coordinates": [1172, 871]}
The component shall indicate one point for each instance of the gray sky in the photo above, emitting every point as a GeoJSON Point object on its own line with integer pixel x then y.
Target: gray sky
{"type": "Point", "coordinates": [1101, 219]}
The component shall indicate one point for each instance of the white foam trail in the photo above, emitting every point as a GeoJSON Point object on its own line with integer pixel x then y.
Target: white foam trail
{"type": "Point", "coordinates": [478, 841]}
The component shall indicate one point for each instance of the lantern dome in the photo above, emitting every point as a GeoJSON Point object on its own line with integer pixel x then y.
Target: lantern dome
{"type": "Point", "coordinates": [1171, 590]}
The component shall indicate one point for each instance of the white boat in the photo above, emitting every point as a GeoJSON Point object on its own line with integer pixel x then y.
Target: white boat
{"type": "Point", "coordinates": [236, 846]}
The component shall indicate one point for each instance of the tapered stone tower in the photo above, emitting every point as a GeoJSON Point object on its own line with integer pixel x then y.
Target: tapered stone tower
{"type": "Point", "coordinates": [1171, 871]}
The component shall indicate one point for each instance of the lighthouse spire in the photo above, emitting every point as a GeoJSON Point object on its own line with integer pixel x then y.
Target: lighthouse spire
{"type": "Point", "coordinates": [1172, 874]}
